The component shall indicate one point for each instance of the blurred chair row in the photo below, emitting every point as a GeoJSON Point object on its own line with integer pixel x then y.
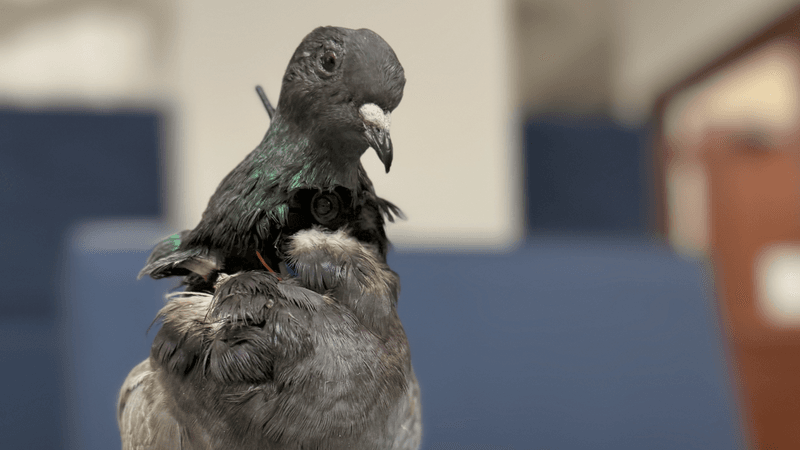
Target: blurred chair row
{"type": "Point", "coordinates": [606, 344]}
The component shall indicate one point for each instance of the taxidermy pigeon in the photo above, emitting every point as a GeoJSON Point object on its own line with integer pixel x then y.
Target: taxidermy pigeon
{"type": "Point", "coordinates": [336, 100]}
{"type": "Point", "coordinates": [315, 358]}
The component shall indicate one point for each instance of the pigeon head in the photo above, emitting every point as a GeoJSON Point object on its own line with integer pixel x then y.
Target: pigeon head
{"type": "Point", "coordinates": [340, 88]}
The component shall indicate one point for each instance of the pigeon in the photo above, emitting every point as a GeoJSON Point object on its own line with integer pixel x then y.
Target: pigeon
{"type": "Point", "coordinates": [315, 361]}
{"type": "Point", "coordinates": [314, 357]}
{"type": "Point", "coordinates": [336, 100]}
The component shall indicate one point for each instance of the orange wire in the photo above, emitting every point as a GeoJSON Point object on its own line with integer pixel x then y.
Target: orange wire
{"type": "Point", "coordinates": [260, 258]}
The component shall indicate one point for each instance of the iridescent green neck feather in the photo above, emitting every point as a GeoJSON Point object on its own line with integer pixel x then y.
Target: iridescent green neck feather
{"type": "Point", "coordinates": [289, 156]}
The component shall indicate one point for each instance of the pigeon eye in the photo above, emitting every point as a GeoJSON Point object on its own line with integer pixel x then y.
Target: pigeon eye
{"type": "Point", "coordinates": [328, 61]}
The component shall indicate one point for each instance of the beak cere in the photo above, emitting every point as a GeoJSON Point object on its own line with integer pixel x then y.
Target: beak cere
{"type": "Point", "coordinates": [377, 125]}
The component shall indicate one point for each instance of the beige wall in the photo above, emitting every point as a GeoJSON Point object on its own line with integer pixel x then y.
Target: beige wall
{"type": "Point", "coordinates": [661, 42]}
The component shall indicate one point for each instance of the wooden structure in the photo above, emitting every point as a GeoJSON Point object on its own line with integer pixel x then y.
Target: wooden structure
{"type": "Point", "coordinates": [727, 173]}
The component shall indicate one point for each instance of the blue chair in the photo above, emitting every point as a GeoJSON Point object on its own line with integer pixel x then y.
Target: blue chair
{"type": "Point", "coordinates": [105, 313]}
{"type": "Point", "coordinates": [567, 344]}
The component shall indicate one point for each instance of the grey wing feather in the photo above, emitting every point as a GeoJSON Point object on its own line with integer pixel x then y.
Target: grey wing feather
{"type": "Point", "coordinates": [409, 433]}
{"type": "Point", "coordinates": [168, 259]}
{"type": "Point", "coordinates": [184, 262]}
{"type": "Point", "coordinates": [145, 423]}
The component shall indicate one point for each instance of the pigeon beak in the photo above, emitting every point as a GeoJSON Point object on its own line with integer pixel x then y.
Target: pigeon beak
{"type": "Point", "coordinates": [380, 140]}
{"type": "Point", "coordinates": [377, 124]}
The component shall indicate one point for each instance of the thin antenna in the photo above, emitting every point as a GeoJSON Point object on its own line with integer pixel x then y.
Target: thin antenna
{"type": "Point", "coordinates": [265, 101]}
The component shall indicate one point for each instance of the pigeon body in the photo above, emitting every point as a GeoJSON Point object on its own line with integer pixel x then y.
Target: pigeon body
{"type": "Point", "coordinates": [319, 361]}
{"type": "Point", "coordinates": [336, 101]}
{"type": "Point", "coordinates": [316, 358]}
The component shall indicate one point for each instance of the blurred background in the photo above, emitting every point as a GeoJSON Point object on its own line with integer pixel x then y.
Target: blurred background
{"type": "Point", "coordinates": [603, 206]}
